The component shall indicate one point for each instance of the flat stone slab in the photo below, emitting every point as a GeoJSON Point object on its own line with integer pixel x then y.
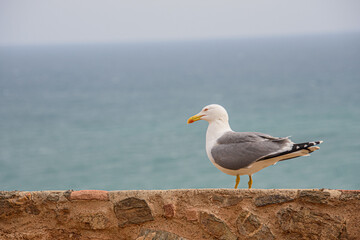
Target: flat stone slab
{"type": "Point", "coordinates": [90, 195]}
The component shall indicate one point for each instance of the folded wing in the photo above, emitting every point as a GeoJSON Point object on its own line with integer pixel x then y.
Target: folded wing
{"type": "Point", "coordinates": [235, 150]}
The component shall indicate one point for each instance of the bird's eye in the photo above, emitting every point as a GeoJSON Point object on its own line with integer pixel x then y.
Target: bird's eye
{"type": "Point", "coordinates": [206, 109]}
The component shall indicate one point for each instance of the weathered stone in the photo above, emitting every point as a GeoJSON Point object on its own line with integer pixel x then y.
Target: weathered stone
{"type": "Point", "coordinates": [61, 234]}
{"type": "Point", "coordinates": [314, 196]}
{"type": "Point", "coordinates": [271, 199]}
{"type": "Point", "coordinates": [169, 210]}
{"type": "Point", "coordinates": [216, 227]}
{"type": "Point", "coordinates": [192, 214]}
{"type": "Point", "coordinates": [247, 223]}
{"type": "Point", "coordinates": [226, 200]}
{"type": "Point", "coordinates": [8, 194]}
{"type": "Point", "coordinates": [67, 194]}
{"type": "Point", "coordinates": [62, 215]}
{"type": "Point", "coordinates": [16, 204]}
{"type": "Point", "coordinates": [250, 227]}
{"type": "Point", "coordinates": [132, 211]}
{"type": "Point", "coordinates": [22, 199]}
{"type": "Point", "coordinates": [32, 209]}
{"type": "Point", "coordinates": [305, 223]}
{"type": "Point", "coordinates": [243, 215]}
{"type": "Point", "coordinates": [93, 221]}
{"type": "Point", "coordinates": [7, 209]}
{"type": "Point", "coordinates": [53, 197]}
{"type": "Point", "coordinates": [251, 223]}
{"type": "Point", "coordinates": [347, 195]}
{"type": "Point", "coordinates": [149, 234]}
{"type": "Point", "coordinates": [263, 233]}
{"type": "Point", "coordinates": [89, 195]}
{"type": "Point", "coordinates": [23, 236]}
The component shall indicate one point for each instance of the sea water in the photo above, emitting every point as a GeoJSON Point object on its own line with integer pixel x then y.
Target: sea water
{"type": "Point", "coordinates": [113, 116]}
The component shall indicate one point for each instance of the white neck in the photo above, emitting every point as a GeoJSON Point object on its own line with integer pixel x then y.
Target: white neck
{"type": "Point", "coordinates": [215, 130]}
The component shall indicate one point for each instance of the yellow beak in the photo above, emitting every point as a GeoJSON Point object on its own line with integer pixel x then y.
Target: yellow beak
{"type": "Point", "coordinates": [194, 118]}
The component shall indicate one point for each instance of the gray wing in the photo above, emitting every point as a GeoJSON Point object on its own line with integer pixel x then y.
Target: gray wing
{"type": "Point", "coordinates": [235, 150]}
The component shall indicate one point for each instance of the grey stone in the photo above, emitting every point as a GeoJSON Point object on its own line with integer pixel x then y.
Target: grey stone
{"type": "Point", "coordinates": [67, 194]}
{"type": "Point", "coordinates": [348, 195]}
{"type": "Point", "coordinates": [271, 199]}
{"type": "Point", "coordinates": [305, 223]}
{"type": "Point", "coordinates": [53, 197]}
{"type": "Point", "coordinates": [250, 227]}
{"type": "Point", "coordinates": [251, 223]}
{"type": "Point", "coordinates": [8, 194]}
{"type": "Point", "coordinates": [314, 196]}
{"type": "Point", "coordinates": [132, 211]}
{"type": "Point", "coordinates": [215, 227]}
{"type": "Point", "coordinates": [263, 234]}
{"type": "Point", "coordinates": [225, 200]}
{"type": "Point", "coordinates": [247, 223]}
{"type": "Point", "coordinates": [150, 234]}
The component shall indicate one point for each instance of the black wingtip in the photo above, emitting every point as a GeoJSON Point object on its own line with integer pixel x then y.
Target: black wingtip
{"type": "Point", "coordinates": [305, 145]}
{"type": "Point", "coordinates": [309, 146]}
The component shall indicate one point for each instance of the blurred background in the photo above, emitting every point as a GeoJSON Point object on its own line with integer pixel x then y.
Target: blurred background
{"type": "Point", "coordinates": [96, 94]}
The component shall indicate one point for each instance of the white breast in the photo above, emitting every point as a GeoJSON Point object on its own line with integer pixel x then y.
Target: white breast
{"type": "Point", "coordinates": [215, 130]}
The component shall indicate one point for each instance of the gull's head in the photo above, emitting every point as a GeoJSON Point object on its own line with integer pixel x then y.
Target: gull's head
{"type": "Point", "coordinates": [210, 113]}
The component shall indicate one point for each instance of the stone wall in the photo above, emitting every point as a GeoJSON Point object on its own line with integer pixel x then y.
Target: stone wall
{"type": "Point", "coordinates": [181, 214]}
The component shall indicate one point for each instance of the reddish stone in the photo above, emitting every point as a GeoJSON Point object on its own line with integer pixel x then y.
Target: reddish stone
{"type": "Point", "coordinates": [90, 195]}
{"type": "Point", "coordinates": [169, 210]}
{"type": "Point", "coordinates": [191, 215]}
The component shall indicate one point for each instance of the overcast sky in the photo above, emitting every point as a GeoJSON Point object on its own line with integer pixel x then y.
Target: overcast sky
{"type": "Point", "coordinates": [68, 21]}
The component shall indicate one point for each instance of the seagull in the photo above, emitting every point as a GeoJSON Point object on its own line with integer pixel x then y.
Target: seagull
{"type": "Point", "coordinates": [245, 153]}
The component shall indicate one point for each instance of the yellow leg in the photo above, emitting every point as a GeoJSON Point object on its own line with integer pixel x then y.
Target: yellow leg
{"type": "Point", "coordinates": [237, 181]}
{"type": "Point", "coordinates": [250, 181]}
